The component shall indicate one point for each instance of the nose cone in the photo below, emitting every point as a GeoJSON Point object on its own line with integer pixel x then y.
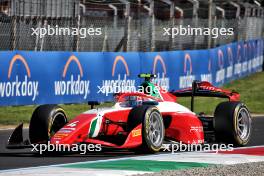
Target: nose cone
{"type": "Point", "coordinates": [61, 137]}
{"type": "Point", "coordinates": [75, 131]}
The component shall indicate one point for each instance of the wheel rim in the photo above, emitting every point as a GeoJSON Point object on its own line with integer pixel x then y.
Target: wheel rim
{"type": "Point", "coordinates": [155, 129]}
{"type": "Point", "coordinates": [243, 124]}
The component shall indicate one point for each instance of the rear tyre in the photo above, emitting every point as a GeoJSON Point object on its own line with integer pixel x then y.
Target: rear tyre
{"type": "Point", "coordinates": [233, 123]}
{"type": "Point", "coordinates": [152, 127]}
{"type": "Point", "coordinates": [45, 122]}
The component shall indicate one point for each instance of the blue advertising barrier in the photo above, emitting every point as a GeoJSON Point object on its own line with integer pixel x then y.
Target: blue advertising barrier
{"type": "Point", "coordinates": [28, 77]}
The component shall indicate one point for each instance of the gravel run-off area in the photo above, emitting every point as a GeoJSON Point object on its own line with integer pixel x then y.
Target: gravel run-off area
{"type": "Point", "coordinates": [247, 169]}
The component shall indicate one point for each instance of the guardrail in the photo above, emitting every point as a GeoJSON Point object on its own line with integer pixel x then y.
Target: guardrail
{"type": "Point", "coordinates": [74, 77]}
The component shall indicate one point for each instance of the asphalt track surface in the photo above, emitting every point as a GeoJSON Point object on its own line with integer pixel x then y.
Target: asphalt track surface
{"type": "Point", "coordinates": [21, 158]}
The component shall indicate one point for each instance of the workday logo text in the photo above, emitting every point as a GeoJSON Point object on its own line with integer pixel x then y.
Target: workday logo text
{"type": "Point", "coordinates": [220, 74]}
{"type": "Point", "coordinates": [238, 65]}
{"type": "Point", "coordinates": [208, 76]}
{"type": "Point", "coordinates": [230, 68]}
{"type": "Point", "coordinates": [121, 84]}
{"type": "Point", "coordinates": [19, 86]}
{"type": "Point", "coordinates": [76, 85]}
{"type": "Point", "coordinates": [187, 79]}
{"type": "Point", "coordinates": [161, 79]}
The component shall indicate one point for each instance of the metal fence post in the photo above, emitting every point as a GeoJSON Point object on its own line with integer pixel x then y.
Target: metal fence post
{"type": "Point", "coordinates": [195, 17]}
{"type": "Point", "coordinates": [42, 39]}
{"type": "Point", "coordinates": [237, 17]}
{"type": "Point", "coordinates": [222, 20]}
{"type": "Point", "coordinates": [115, 14]}
{"type": "Point", "coordinates": [172, 14]}
{"type": "Point", "coordinates": [78, 36]}
{"type": "Point", "coordinates": [139, 23]}
{"type": "Point", "coordinates": [172, 18]}
{"type": "Point", "coordinates": [115, 19]}
{"type": "Point", "coordinates": [179, 44]}
{"type": "Point", "coordinates": [127, 25]}
{"type": "Point", "coordinates": [152, 33]}
{"type": "Point", "coordinates": [105, 40]}
{"type": "Point", "coordinates": [14, 32]}
{"type": "Point", "coordinates": [153, 29]}
{"type": "Point", "coordinates": [37, 37]}
{"type": "Point", "coordinates": [210, 17]}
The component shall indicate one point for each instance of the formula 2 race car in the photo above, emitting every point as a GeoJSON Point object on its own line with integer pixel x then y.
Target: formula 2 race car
{"type": "Point", "coordinates": [143, 120]}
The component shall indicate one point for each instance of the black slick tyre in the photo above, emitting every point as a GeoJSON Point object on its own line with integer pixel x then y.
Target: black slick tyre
{"type": "Point", "coordinates": [46, 120]}
{"type": "Point", "coordinates": [152, 127]}
{"type": "Point", "coordinates": [233, 123]}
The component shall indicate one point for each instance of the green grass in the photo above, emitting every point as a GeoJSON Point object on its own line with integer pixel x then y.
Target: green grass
{"type": "Point", "coordinates": [250, 88]}
{"type": "Point", "coordinates": [14, 115]}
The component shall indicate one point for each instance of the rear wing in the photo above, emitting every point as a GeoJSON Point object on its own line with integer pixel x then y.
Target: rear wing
{"type": "Point", "coordinates": [206, 89]}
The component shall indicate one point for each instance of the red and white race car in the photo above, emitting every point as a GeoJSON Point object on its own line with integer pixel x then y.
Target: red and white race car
{"type": "Point", "coordinates": [143, 120]}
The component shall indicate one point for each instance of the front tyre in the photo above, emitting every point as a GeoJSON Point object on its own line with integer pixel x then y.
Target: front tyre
{"type": "Point", "coordinates": [46, 120]}
{"type": "Point", "coordinates": [233, 123]}
{"type": "Point", "coordinates": [152, 130]}
{"type": "Point", "coordinates": [152, 127]}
